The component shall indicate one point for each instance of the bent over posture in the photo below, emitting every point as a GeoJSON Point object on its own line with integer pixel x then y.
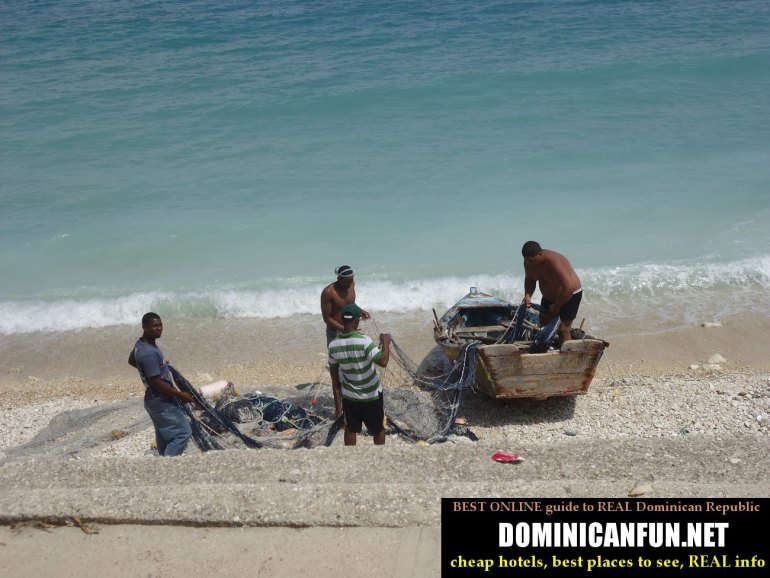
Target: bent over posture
{"type": "Point", "coordinates": [558, 283]}
{"type": "Point", "coordinates": [356, 385]}
{"type": "Point", "coordinates": [161, 398]}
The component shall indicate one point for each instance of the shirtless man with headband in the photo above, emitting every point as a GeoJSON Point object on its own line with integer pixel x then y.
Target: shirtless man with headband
{"type": "Point", "coordinates": [558, 283]}
{"type": "Point", "coordinates": [334, 297]}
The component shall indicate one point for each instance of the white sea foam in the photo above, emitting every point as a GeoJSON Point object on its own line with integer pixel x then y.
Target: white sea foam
{"type": "Point", "coordinates": [432, 154]}
{"type": "Point", "coordinates": [655, 278]}
{"type": "Point", "coordinates": [652, 291]}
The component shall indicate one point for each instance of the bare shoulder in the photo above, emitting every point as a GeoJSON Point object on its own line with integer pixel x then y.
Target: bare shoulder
{"type": "Point", "coordinates": [554, 257]}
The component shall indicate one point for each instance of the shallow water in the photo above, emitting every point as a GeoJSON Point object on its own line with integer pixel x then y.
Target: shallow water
{"type": "Point", "coordinates": [213, 162]}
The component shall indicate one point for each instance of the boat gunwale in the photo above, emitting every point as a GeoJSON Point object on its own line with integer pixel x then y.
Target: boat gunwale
{"type": "Point", "coordinates": [574, 382]}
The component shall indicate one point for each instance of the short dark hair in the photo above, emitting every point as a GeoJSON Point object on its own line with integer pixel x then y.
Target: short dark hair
{"type": "Point", "coordinates": [148, 318]}
{"type": "Point", "coordinates": [531, 248]}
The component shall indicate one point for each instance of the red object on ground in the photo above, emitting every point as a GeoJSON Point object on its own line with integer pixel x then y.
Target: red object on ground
{"type": "Point", "coordinates": [501, 457]}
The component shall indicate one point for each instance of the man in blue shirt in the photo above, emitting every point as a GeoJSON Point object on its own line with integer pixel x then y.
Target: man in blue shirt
{"type": "Point", "coordinates": [161, 398]}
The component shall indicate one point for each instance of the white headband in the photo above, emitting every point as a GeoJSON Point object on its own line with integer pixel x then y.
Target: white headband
{"type": "Point", "coordinates": [344, 271]}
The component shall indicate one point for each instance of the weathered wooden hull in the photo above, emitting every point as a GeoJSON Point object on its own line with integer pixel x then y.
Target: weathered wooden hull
{"type": "Point", "coordinates": [504, 371]}
{"type": "Point", "coordinates": [510, 370]}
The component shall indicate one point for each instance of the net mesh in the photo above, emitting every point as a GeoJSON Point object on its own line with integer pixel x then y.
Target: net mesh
{"type": "Point", "coordinates": [421, 405]}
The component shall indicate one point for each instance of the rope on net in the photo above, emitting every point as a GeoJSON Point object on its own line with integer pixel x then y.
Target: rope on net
{"type": "Point", "coordinates": [267, 410]}
{"type": "Point", "coordinates": [544, 336]}
{"type": "Point", "coordinates": [273, 415]}
{"type": "Point", "coordinates": [462, 375]}
{"type": "Point", "coordinates": [447, 389]}
{"type": "Point", "coordinates": [445, 394]}
{"type": "Point", "coordinates": [335, 428]}
{"type": "Point", "coordinates": [514, 331]}
{"type": "Point", "coordinates": [525, 326]}
{"type": "Point", "coordinates": [201, 437]}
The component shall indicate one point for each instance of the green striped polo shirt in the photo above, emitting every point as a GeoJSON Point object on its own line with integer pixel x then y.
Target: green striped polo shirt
{"type": "Point", "coordinates": [355, 355]}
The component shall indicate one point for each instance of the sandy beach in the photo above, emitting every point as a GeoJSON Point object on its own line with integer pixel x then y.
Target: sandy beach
{"type": "Point", "coordinates": [219, 163]}
{"type": "Point", "coordinates": [676, 413]}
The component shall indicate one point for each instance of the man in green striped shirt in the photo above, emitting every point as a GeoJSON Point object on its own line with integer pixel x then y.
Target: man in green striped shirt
{"type": "Point", "coordinates": [356, 385]}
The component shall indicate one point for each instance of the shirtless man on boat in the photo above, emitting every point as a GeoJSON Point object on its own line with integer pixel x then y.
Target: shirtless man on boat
{"type": "Point", "coordinates": [334, 297]}
{"type": "Point", "coordinates": [558, 283]}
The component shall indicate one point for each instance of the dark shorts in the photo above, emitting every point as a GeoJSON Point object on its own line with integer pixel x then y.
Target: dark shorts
{"type": "Point", "coordinates": [371, 413]}
{"type": "Point", "coordinates": [330, 335]}
{"type": "Point", "coordinates": [569, 310]}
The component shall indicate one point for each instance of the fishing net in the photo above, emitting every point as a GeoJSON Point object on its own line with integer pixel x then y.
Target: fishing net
{"type": "Point", "coordinates": [202, 430]}
{"type": "Point", "coordinates": [427, 409]}
{"type": "Point", "coordinates": [421, 404]}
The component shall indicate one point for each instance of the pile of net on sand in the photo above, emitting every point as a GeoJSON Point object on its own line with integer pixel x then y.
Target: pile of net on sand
{"type": "Point", "coordinates": [421, 405]}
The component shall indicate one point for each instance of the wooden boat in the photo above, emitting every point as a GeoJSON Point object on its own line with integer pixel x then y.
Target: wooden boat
{"type": "Point", "coordinates": [516, 357]}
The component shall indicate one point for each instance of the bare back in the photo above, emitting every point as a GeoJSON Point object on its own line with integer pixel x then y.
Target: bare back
{"type": "Point", "coordinates": [554, 275]}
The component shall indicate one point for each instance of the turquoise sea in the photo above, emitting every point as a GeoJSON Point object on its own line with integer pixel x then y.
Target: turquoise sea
{"type": "Point", "coordinates": [219, 159]}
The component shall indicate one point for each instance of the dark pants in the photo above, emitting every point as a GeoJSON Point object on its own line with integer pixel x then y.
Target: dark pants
{"type": "Point", "coordinates": [569, 310]}
{"type": "Point", "coordinates": [371, 413]}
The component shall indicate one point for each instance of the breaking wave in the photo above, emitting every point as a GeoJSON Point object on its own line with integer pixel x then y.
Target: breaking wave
{"type": "Point", "coordinates": [698, 290]}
